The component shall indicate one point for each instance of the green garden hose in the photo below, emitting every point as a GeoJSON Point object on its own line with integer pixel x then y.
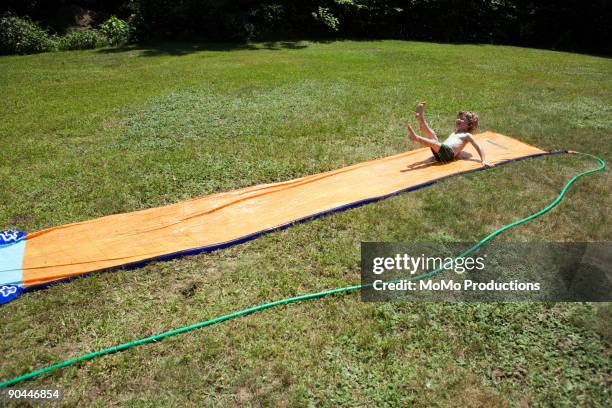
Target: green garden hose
{"type": "Point", "coordinates": [161, 336]}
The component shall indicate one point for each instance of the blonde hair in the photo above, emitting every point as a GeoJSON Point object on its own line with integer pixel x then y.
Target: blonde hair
{"type": "Point", "coordinates": [471, 118]}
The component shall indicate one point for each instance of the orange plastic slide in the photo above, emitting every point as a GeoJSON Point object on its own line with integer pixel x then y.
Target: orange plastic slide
{"type": "Point", "coordinates": [219, 220]}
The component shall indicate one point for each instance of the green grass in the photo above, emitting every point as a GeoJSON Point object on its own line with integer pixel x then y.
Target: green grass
{"type": "Point", "coordinates": [90, 133]}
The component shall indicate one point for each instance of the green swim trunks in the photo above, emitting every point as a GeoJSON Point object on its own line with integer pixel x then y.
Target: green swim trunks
{"type": "Point", "coordinates": [445, 154]}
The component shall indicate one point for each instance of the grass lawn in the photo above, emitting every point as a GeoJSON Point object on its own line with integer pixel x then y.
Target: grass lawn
{"type": "Point", "coordinates": [90, 133]}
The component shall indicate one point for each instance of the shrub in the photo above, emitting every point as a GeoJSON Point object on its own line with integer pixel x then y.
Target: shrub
{"type": "Point", "coordinates": [325, 17]}
{"type": "Point", "coordinates": [116, 30]}
{"type": "Point", "coordinates": [23, 36]}
{"type": "Point", "coordinates": [81, 40]}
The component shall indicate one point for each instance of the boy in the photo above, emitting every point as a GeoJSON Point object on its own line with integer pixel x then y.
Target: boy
{"type": "Point", "coordinates": [465, 124]}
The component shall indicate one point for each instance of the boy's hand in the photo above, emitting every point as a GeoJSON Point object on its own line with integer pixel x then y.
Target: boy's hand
{"type": "Point", "coordinates": [420, 108]}
{"type": "Point", "coordinates": [486, 164]}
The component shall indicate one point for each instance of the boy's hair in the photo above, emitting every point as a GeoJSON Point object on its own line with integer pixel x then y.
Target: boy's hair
{"type": "Point", "coordinates": [472, 119]}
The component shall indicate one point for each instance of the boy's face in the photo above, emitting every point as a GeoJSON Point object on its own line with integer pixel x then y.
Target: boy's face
{"type": "Point", "coordinates": [461, 123]}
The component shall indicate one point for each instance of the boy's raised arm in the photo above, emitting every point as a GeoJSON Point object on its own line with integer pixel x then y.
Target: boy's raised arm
{"type": "Point", "coordinates": [480, 151]}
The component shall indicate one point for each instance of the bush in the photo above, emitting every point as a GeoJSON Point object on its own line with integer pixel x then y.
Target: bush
{"type": "Point", "coordinates": [81, 40]}
{"type": "Point", "coordinates": [213, 20]}
{"type": "Point", "coordinates": [23, 36]}
{"type": "Point", "coordinates": [116, 30]}
{"type": "Point", "coordinates": [325, 17]}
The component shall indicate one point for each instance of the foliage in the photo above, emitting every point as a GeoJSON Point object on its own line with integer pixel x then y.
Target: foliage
{"type": "Point", "coordinates": [218, 20]}
{"type": "Point", "coordinates": [546, 23]}
{"type": "Point", "coordinates": [116, 30]}
{"type": "Point", "coordinates": [81, 40]}
{"type": "Point", "coordinates": [324, 16]}
{"type": "Point", "coordinates": [23, 36]}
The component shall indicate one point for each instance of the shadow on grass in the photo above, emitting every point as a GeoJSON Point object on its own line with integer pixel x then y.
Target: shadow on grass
{"type": "Point", "coordinates": [185, 48]}
{"type": "Point", "coordinates": [180, 48]}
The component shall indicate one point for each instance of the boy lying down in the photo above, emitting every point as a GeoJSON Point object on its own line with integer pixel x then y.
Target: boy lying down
{"type": "Point", "coordinates": [465, 124]}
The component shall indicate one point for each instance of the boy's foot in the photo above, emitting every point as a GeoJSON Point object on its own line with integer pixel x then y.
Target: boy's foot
{"type": "Point", "coordinates": [420, 108]}
{"type": "Point", "coordinates": [411, 135]}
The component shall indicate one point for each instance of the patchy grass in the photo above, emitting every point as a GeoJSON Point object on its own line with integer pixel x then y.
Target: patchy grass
{"type": "Point", "coordinates": [91, 133]}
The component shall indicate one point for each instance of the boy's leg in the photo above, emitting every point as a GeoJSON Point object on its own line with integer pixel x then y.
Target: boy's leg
{"type": "Point", "coordinates": [434, 144]}
{"type": "Point", "coordinates": [425, 129]}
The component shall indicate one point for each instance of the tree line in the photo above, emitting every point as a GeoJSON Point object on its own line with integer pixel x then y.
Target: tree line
{"type": "Point", "coordinates": [562, 24]}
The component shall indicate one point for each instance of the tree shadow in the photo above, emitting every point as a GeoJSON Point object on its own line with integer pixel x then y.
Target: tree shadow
{"type": "Point", "coordinates": [185, 48]}
{"type": "Point", "coordinates": [600, 53]}
{"type": "Point", "coordinates": [282, 45]}
{"type": "Point", "coordinates": [180, 48]}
